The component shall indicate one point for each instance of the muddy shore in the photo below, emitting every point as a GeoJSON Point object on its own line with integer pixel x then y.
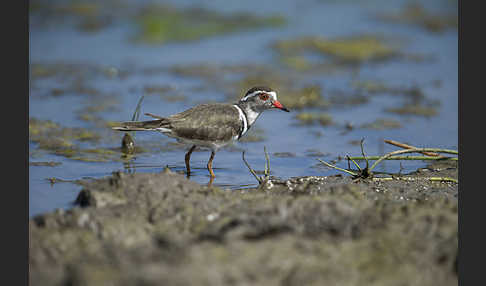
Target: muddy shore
{"type": "Point", "coordinates": [162, 229]}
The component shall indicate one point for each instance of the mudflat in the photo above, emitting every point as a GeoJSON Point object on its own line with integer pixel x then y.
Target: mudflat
{"type": "Point", "coordinates": [163, 229]}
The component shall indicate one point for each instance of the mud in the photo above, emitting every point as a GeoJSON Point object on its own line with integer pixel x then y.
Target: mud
{"type": "Point", "coordinates": [153, 229]}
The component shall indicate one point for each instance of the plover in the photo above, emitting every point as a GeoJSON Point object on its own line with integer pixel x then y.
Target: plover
{"type": "Point", "coordinates": [211, 125]}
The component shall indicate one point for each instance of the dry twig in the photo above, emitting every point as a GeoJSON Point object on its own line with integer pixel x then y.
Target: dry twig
{"type": "Point", "coordinates": [266, 173]}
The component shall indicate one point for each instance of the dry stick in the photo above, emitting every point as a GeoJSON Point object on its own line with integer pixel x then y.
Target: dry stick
{"type": "Point", "coordinates": [363, 153]}
{"type": "Point", "coordinates": [356, 164]}
{"type": "Point", "coordinates": [406, 146]}
{"type": "Point", "coordinates": [447, 179]}
{"type": "Point", "coordinates": [386, 156]}
{"type": "Point", "coordinates": [416, 150]}
{"type": "Point", "coordinates": [267, 164]}
{"type": "Point", "coordinates": [364, 156]}
{"type": "Point", "coordinates": [337, 168]}
{"type": "Point", "coordinates": [136, 114]}
{"type": "Point", "coordinates": [373, 158]}
{"type": "Point", "coordinates": [441, 179]}
{"type": "Point", "coordinates": [154, 116]}
{"type": "Point", "coordinates": [249, 168]}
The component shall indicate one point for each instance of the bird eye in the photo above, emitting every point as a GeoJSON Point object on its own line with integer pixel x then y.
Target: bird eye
{"type": "Point", "coordinates": [263, 96]}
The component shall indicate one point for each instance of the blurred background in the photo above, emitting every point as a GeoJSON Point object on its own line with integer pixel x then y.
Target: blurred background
{"type": "Point", "coordinates": [347, 70]}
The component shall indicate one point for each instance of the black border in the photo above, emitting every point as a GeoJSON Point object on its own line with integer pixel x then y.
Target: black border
{"type": "Point", "coordinates": [470, 227]}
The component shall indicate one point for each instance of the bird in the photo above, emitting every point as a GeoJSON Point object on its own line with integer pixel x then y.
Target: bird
{"type": "Point", "coordinates": [210, 125]}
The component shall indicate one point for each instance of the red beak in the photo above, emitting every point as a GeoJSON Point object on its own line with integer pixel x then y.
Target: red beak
{"type": "Point", "coordinates": [278, 105]}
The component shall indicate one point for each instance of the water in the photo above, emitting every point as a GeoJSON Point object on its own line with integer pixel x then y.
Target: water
{"type": "Point", "coordinates": [110, 47]}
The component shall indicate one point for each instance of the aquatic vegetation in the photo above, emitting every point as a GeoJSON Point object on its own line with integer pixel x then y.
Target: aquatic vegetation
{"type": "Point", "coordinates": [347, 98]}
{"type": "Point", "coordinates": [379, 87]}
{"type": "Point", "coordinates": [414, 109]}
{"type": "Point", "coordinates": [45, 132]}
{"type": "Point", "coordinates": [90, 155]}
{"type": "Point", "coordinates": [307, 96]}
{"type": "Point", "coordinates": [47, 164]}
{"type": "Point", "coordinates": [371, 86]}
{"type": "Point", "coordinates": [93, 110]}
{"type": "Point", "coordinates": [347, 50]}
{"type": "Point", "coordinates": [296, 62]}
{"type": "Point", "coordinates": [311, 118]}
{"type": "Point", "coordinates": [166, 92]}
{"type": "Point", "coordinates": [382, 124]}
{"type": "Point", "coordinates": [65, 141]}
{"type": "Point", "coordinates": [415, 14]}
{"type": "Point", "coordinates": [87, 16]}
{"type": "Point", "coordinates": [160, 24]}
{"type": "Point", "coordinates": [284, 154]}
{"type": "Point", "coordinates": [74, 75]}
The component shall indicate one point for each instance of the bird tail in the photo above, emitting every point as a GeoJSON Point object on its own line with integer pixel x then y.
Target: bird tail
{"type": "Point", "coordinates": [140, 125]}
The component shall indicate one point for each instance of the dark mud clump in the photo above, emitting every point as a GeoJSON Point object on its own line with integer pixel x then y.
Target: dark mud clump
{"type": "Point", "coordinates": [153, 229]}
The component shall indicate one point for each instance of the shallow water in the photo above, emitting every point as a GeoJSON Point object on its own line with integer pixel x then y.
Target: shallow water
{"type": "Point", "coordinates": [111, 49]}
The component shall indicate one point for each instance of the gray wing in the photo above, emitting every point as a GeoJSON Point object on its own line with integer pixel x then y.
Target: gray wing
{"type": "Point", "coordinates": [141, 125]}
{"type": "Point", "coordinates": [218, 122]}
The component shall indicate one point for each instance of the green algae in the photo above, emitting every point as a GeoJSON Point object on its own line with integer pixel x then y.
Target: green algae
{"type": "Point", "coordinates": [37, 127]}
{"type": "Point", "coordinates": [380, 87]}
{"type": "Point", "coordinates": [345, 50]}
{"type": "Point", "coordinates": [65, 141]}
{"type": "Point", "coordinates": [356, 49]}
{"type": "Point", "coordinates": [160, 24]}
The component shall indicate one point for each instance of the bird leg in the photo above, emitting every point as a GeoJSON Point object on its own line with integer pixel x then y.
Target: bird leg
{"type": "Point", "coordinates": [210, 165]}
{"type": "Point", "coordinates": [188, 157]}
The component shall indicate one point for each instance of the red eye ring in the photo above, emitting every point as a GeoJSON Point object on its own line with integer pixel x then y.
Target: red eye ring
{"type": "Point", "coordinates": [263, 96]}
